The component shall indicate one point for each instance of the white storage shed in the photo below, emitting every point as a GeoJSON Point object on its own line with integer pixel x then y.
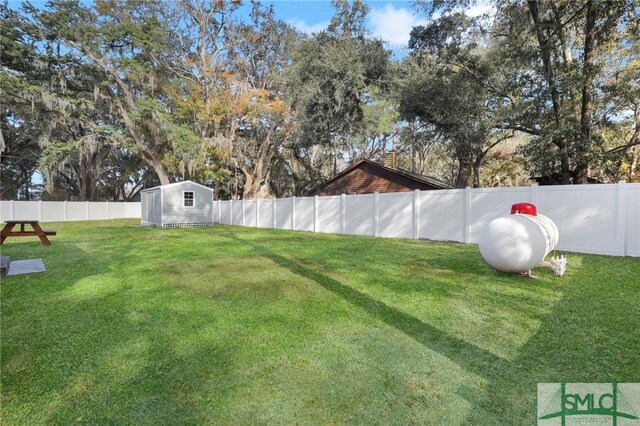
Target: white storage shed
{"type": "Point", "coordinates": [177, 205]}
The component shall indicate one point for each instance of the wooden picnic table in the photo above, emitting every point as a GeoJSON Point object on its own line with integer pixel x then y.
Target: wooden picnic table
{"type": "Point", "coordinates": [8, 231]}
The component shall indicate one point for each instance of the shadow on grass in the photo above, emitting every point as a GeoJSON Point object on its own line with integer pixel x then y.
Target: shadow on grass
{"type": "Point", "coordinates": [467, 355]}
{"type": "Point", "coordinates": [168, 382]}
{"type": "Point", "coordinates": [61, 261]}
{"type": "Point", "coordinates": [92, 347]}
{"type": "Point", "coordinates": [105, 337]}
{"type": "Point", "coordinates": [588, 336]}
{"type": "Point", "coordinates": [126, 356]}
{"type": "Point", "coordinates": [591, 336]}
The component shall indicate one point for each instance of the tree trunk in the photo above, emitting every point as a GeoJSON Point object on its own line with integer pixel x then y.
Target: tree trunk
{"type": "Point", "coordinates": [413, 146]}
{"type": "Point", "coordinates": [633, 168]}
{"type": "Point", "coordinates": [565, 169]}
{"type": "Point", "coordinates": [476, 173]}
{"type": "Point", "coordinates": [83, 178]}
{"type": "Point", "coordinates": [156, 163]}
{"type": "Point", "coordinates": [93, 184]}
{"type": "Point", "coordinates": [586, 113]}
{"type": "Point", "coordinates": [464, 173]}
{"type": "Point", "coordinates": [248, 190]}
{"type": "Point", "coordinates": [545, 54]}
{"type": "Point", "coordinates": [27, 184]}
{"type": "Point", "coordinates": [566, 49]}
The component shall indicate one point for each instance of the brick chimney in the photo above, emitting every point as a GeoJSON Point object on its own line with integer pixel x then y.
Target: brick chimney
{"type": "Point", "coordinates": [390, 159]}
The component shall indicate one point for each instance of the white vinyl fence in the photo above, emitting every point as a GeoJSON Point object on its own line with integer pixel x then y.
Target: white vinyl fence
{"type": "Point", "coordinates": [64, 211]}
{"type": "Point", "coordinates": [598, 219]}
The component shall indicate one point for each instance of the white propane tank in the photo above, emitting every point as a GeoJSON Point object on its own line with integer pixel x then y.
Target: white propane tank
{"type": "Point", "coordinates": [518, 242]}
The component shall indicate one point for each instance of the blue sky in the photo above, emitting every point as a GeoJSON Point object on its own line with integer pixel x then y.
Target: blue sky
{"type": "Point", "coordinates": [390, 21]}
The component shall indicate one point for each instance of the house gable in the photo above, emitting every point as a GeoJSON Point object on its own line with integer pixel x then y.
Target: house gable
{"type": "Point", "coordinates": [366, 177]}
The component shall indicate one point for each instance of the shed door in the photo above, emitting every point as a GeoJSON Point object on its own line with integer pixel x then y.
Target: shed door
{"type": "Point", "coordinates": [145, 211]}
{"type": "Point", "coordinates": [152, 207]}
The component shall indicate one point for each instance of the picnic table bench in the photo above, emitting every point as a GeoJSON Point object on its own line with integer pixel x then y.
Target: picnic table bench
{"type": "Point", "coordinates": [36, 231]}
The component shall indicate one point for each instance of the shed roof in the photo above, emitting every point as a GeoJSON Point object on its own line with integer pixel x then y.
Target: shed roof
{"type": "Point", "coordinates": [176, 184]}
{"type": "Point", "coordinates": [429, 180]}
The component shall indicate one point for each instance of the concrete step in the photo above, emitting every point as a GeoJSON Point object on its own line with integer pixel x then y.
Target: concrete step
{"type": "Point", "coordinates": [27, 266]}
{"type": "Point", "coordinates": [4, 264]}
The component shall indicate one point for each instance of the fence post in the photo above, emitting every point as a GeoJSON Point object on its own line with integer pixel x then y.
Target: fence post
{"type": "Point", "coordinates": [416, 214]}
{"type": "Point", "coordinates": [621, 220]}
{"type": "Point", "coordinates": [273, 207]}
{"type": "Point", "coordinates": [467, 215]}
{"type": "Point", "coordinates": [215, 211]}
{"type": "Point", "coordinates": [66, 214]}
{"type": "Point", "coordinates": [315, 213]}
{"type": "Point", "coordinates": [161, 207]}
{"type": "Point", "coordinates": [343, 199]}
{"type": "Point", "coordinates": [257, 213]}
{"type": "Point", "coordinates": [242, 206]}
{"type": "Point", "coordinates": [230, 212]}
{"type": "Point", "coordinates": [219, 211]}
{"type": "Point", "coordinates": [533, 193]}
{"type": "Point", "coordinates": [375, 213]}
{"type": "Point", "coordinates": [108, 211]}
{"type": "Point", "coordinates": [13, 210]}
{"type": "Point", "coordinates": [293, 212]}
{"type": "Point", "coordinates": [88, 215]}
{"type": "Point", "coordinates": [40, 210]}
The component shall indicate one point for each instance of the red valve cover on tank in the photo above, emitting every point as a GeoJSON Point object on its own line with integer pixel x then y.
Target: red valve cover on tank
{"type": "Point", "coordinates": [524, 208]}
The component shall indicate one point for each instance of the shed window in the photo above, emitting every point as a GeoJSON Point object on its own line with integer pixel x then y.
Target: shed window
{"type": "Point", "coordinates": [188, 198]}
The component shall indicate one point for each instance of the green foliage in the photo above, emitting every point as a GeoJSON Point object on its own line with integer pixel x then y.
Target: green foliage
{"type": "Point", "coordinates": [157, 91]}
{"type": "Point", "coordinates": [122, 41]}
{"type": "Point", "coordinates": [330, 78]}
{"type": "Point", "coordinates": [548, 68]}
{"type": "Point", "coordinates": [55, 154]}
{"type": "Point", "coordinates": [380, 114]}
{"type": "Point", "coordinates": [449, 83]}
{"type": "Point", "coordinates": [331, 73]}
{"type": "Point", "coordinates": [18, 126]}
{"type": "Point", "coordinates": [564, 105]}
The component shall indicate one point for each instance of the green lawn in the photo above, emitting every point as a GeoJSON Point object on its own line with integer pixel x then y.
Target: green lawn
{"type": "Point", "coordinates": [135, 325]}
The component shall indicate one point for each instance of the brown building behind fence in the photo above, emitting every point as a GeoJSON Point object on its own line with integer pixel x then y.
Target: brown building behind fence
{"type": "Point", "coordinates": [368, 177]}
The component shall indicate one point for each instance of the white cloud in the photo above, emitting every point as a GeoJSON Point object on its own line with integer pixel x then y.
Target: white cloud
{"type": "Point", "coordinates": [306, 28]}
{"type": "Point", "coordinates": [393, 25]}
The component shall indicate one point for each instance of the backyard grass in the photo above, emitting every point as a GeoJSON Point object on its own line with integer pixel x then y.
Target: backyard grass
{"type": "Point", "coordinates": [133, 325]}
